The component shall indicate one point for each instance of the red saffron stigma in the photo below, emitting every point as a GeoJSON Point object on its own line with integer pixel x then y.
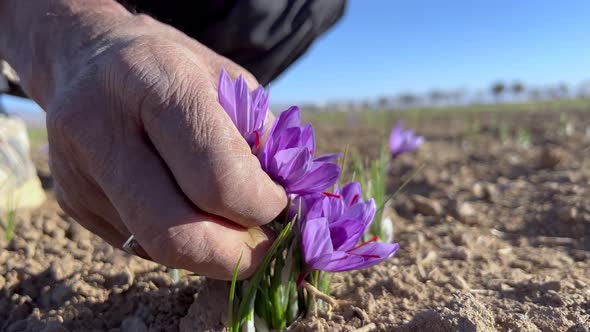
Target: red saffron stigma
{"type": "Point", "coordinates": [374, 239]}
{"type": "Point", "coordinates": [301, 278]}
{"type": "Point", "coordinates": [370, 256]}
{"type": "Point", "coordinates": [354, 199]}
{"type": "Point", "coordinates": [257, 143]}
{"type": "Point", "coordinates": [331, 195]}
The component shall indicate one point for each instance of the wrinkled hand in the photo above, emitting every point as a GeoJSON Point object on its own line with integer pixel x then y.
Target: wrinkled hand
{"type": "Point", "coordinates": [140, 145]}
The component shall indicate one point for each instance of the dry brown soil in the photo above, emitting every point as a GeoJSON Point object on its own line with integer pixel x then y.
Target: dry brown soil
{"type": "Point", "coordinates": [495, 236]}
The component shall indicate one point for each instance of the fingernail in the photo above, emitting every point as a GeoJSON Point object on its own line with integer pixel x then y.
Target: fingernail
{"type": "Point", "coordinates": [257, 236]}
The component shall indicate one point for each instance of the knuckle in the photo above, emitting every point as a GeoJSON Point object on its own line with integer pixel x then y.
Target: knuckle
{"type": "Point", "coordinates": [226, 164]}
{"type": "Point", "coordinates": [155, 71]}
{"type": "Point", "coordinates": [210, 137]}
{"type": "Point", "coordinates": [176, 247]}
{"type": "Point", "coordinates": [142, 75]}
{"type": "Point", "coordinates": [233, 191]}
{"type": "Point", "coordinates": [135, 69]}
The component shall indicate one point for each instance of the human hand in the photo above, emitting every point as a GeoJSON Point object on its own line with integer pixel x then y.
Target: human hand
{"type": "Point", "coordinates": [140, 145]}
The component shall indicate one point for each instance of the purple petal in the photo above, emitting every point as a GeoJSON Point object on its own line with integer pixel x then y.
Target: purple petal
{"type": "Point", "coordinates": [346, 233]}
{"type": "Point", "coordinates": [366, 256]}
{"type": "Point", "coordinates": [320, 177]}
{"type": "Point", "coordinates": [244, 109]}
{"type": "Point", "coordinates": [329, 157]}
{"type": "Point", "coordinates": [310, 205]}
{"type": "Point", "coordinates": [315, 204]}
{"type": "Point", "coordinates": [226, 95]}
{"type": "Point", "coordinates": [358, 218]}
{"type": "Point", "coordinates": [289, 165]}
{"type": "Point", "coordinates": [341, 261]}
{"type": "Point", "coordinates": [316, 240]}
{"type": "Point", "coordinates": [260, 105]}
{"type": "Point", "coordinates": [396, 139]}
{"type": "Point", "coordinates": [338, 261]}
{"type": "Point", "coordinates": [333, 208]}
{"type": "Point", "coordinates": [351, 193]}
{"type": "Point", "coordinates": [288, 138]}
{"type": "Point", "coordinates": [402, 141]}
{"type": "Point", "coordinates": [364, 212]}
{"type": "Point", "coordinates": [374, 253]}
{"type": "Point", "coordinates": [287, 119]}
{"type": "Point", "coordinates": [416, 142]}
{"type": "Point", "coordinates": [308, 139]}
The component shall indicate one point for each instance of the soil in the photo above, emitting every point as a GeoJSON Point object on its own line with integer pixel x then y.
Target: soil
{"type": "Point", "coordinates": [494, 235]}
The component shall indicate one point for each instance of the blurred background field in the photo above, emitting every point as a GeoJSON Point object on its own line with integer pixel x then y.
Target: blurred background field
{"type": "Point", "coordinates": [383, 119]}
{"type": "Point", "coordinates": [494, 230]}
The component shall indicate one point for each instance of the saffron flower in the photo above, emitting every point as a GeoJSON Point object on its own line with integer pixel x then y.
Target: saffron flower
{"type": "Point", "coordinates": [332, 226]}
{"type": "Point", "coordinates": [402, 141]}
{"type": "Point", "coordinates": [288, 157]}
{"type": "Point", "coordinates": [246, 109]}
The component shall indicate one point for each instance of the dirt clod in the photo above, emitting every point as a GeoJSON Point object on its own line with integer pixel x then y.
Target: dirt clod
{"type": "Point", "coordinates": [426, 206]}
{"type": "Point", "coordinates": [490, 241]}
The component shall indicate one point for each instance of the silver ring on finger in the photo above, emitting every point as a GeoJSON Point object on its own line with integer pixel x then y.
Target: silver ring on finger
{"type": "Point", "coordinates": [132, 247]}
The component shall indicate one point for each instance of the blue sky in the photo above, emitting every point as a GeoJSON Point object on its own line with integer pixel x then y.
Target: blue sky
{"type": "Point", "coordinates": [385, 47]}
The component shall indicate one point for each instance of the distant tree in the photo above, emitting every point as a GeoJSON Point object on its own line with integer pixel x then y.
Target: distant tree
{"type": "Point", "coordinates": [535, 94]}
{"type": "Point", "coordinates": [552, 92]}
{"type": "Point", "coordinates": [498, 89]}
{"type": "Point", "coordinates": [563, 90]}
{"type": "Point", "coordinates": [407, 99]}
{"type": "Point", "coordinates": [365, 105]}
{"type": "Point", "coordinates": [517, 88]}
{"type": "Point", "coordinates": [436, 96]}
{"type": "Point", "coordinates": [382, 102]}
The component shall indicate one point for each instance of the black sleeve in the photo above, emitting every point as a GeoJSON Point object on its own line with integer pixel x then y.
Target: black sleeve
{"type": "Point", "coordinates": [264, 36]}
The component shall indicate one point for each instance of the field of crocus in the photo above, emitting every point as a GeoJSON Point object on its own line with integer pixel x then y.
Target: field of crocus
{"type": "Point", "coordinates": [491, 214]}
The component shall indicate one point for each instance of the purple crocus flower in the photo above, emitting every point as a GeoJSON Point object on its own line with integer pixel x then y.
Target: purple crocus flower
{"type": "Point", "coordinates": [332, 226]}
{"type": "Point", "coordinates": [246, 109]}
{"type": "Point", "coordinates": [402, 141]}
{"type": "Point", "coordinates": [288, 157]}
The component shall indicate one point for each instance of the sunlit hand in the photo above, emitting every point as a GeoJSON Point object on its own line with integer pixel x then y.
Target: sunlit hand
{"type": "Point", "coordinates": [140, 145]}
